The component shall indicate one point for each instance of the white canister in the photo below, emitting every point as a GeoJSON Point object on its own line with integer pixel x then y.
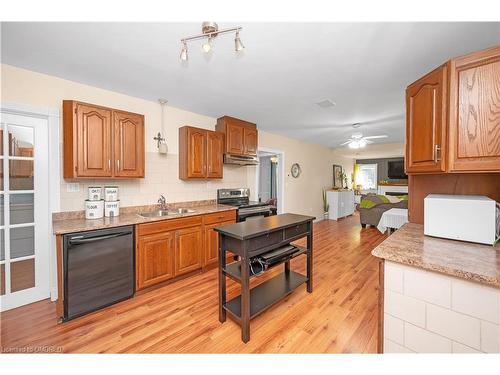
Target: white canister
{"type": "Point", "coordinates": [94, 209]}
{"type": "Point", "coordinates": [111, 208]}
{"type": "Point", "coordinates": [95, 193]}
{"type": "Point", "coordinates": [110, 193]}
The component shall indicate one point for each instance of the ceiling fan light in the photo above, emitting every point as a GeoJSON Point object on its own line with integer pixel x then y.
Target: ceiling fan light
{"type": "Point", "coordinates": [184, 52]}
{"type": "Point", "coordinates": [207, 46]}
{"type": "Point", "coordinates": [362, 143]}
{"type": "Point", "coordinates": [354, 144]}
{"type": "Point", "coordinates": [238, 45]}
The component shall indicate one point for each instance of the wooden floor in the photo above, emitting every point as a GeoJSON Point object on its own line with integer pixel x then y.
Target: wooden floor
{"type": "Point", "coordinates": [340, 316]}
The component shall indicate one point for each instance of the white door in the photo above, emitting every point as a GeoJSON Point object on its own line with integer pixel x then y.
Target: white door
{"type": "Point", "coordinates": [24, 207]}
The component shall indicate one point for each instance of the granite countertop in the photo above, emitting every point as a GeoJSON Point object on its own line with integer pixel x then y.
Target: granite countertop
{"type": "Point", "coordinates": [469, 261]}
{"type": "Point", "coordinates": [73, 222]}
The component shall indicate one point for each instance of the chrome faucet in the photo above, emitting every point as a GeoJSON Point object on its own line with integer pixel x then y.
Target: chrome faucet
{"type": "Point", "coordinates": [162, 202]}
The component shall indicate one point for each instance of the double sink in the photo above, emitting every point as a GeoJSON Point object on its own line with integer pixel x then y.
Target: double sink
{"type": "Point", "coordinates": [161, 212]}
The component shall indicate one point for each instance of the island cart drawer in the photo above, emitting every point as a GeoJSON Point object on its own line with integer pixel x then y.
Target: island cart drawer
{"type": "Point", "coordinates": [296, 230]}
{"type": "Point", "coordinates": [265, 240]}
{"type": "Point", "coordinates": [219, 217]}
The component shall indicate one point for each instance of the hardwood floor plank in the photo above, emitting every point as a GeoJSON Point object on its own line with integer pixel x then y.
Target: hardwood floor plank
{"type": "Point", "coordinates": [340, 316]}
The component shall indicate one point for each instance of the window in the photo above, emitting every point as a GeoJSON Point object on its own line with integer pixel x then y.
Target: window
{"type": "Point", "coordinates": [367, 176]}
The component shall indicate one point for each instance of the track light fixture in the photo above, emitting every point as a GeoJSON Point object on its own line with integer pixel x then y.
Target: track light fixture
{"type": "Point", "coordinates": [210, 30]}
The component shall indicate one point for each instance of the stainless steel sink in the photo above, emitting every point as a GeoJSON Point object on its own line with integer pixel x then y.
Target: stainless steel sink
{"type": "Point", "coordinates": [156, 213]}
{"type": "Point", "coordinates": [182, 211]}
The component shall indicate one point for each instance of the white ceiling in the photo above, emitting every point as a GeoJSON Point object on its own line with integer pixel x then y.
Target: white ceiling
{"type": "Point", "coordinates": [286, 68]}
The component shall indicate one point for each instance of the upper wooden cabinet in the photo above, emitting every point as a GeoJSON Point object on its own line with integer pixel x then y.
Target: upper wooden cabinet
{"type": "Point", "coordinates": [200, 153]}
{"type": "Point", "coordinates": [241, 137]}
{"type": "Point", "coordinates": [426, 123]}
{"type": "Point", "coordinates": [102, 142]}
{"type": "Point", "coordinates": [129, 144]}
{"type": "Point", "coordinates": [452, 117]}
{"type": "Point", "coordinates": [474, 135]}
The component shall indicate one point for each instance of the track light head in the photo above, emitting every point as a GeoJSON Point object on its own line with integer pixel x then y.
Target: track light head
{"type": "Point", "coordinates": [238, 45]}
{"type": "Point", "coordinates": [207, 46]}
{"type": "Point", "coordinates": [184, 52]}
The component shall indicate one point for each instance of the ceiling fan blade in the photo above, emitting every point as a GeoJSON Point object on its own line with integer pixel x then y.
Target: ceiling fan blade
{"type": "Point", "coordinates": [375, 136]}
{"type": "Point", "coordinates": [346, 142]}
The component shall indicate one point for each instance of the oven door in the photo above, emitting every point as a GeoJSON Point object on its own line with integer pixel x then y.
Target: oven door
{"type": "Point", "coordinates": [252, 213]}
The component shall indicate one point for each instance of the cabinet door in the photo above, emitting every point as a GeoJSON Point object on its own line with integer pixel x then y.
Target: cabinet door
{"type": "Point", "coordinates": [129, 144]}
{"type": "Point", "coordinates": [211, 248]}
{"type": "Point", "coordinates": [234, 139]}
{"type": "Point", "coordinates": [196, 158]}
{"type": "Point", "coordinates": [188, 247]}
{"type": "Point", "coordinates": [93, 128]}
{"type": "Point", "coordinates": [215, 149]}
{"type": "Point", "coordinates": [154, 259]}
{"type": "Point", "coordinates": [426, 123]}
{"type": "Point", "coordinates": [475, 112]}
{"type": "Point", "coordinates": [250, 141]}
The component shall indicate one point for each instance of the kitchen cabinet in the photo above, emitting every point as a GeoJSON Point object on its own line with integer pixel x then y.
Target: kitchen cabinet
{"type": "Point", "coordinates": [200, 153]}
{"type": "Point", "coordinates": [426, 123]}
{"type": "Point", "coordinates": [474, 128]}
{"type": "Point", "coordinates": [241, 137]}
{"type": "Point", "coordinates": [154, 259]}
{"type": "Point", "coordinates": [129, 144]}
{"type": "Point", "coordinates": [101, 142]}
{"type": "Point", "coordinates": [452, 117]}
{"type": "Point", "coordinates": [170, 248]}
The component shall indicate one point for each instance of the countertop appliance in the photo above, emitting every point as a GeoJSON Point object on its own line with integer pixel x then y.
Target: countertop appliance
{"type": "Point", "coordinates": [98, 269]}
{"type": "Point", "coordinates": [460, 217]}
{"type": "Point", "coordinates": [246, 208]}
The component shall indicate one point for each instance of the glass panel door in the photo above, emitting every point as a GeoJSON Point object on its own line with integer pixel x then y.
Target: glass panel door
{"type": "Point", "coordinates": [24, 211]}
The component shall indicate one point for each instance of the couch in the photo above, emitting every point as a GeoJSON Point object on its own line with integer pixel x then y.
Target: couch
{"type": "Point", "coordinates": [371, 216]}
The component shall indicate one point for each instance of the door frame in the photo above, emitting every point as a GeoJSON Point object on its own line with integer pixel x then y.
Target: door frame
{"type": "Point", "coordinates": [52, 115]}
{"type": "Point", "coordinates": [280, 174]}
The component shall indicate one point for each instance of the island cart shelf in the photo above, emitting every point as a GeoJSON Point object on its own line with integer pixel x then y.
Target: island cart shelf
{"type": "Point", "coordinates": [253, 238]}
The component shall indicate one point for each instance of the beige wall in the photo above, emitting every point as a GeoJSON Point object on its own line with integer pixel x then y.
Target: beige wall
{"type": "Point", "coordinates": [302, 195]}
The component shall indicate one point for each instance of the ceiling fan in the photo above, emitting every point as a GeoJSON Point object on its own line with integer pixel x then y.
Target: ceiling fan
{"type": "Point", "coordinates": [358, 141]}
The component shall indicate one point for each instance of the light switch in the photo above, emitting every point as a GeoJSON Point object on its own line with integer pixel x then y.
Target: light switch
{"type": "Point", "coordinates": [73, 187]}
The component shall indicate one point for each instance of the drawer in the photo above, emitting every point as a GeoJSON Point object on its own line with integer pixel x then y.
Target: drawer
{"type": "Point", "coordinates": [296, 230]}
{"type": "Point", "coordinates": [168, 225]}
{"type": "Point", "coordinates": [219, 217]}
{"type": "Point", "coordinates": [265, 240]}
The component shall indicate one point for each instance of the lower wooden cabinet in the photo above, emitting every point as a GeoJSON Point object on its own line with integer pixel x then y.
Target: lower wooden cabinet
{"type": "Point", "coordinates": [188, 249]}
{"type": "Point", "coordinates": [154, 259]}
{"type": "Point", "coordinates": [210, 255]}
{"type": "Point", "coordinates": [170, 248]}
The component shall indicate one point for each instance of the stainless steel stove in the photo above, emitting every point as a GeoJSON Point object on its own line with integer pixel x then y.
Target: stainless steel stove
{"type": "Point", "coordinates": [247, 209]}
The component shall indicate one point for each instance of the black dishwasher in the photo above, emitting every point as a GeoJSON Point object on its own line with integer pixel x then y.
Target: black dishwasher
{"type": "Point", "coordinates": [98, 269]}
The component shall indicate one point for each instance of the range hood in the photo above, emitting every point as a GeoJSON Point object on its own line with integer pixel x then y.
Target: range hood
{"type": "Point", "coordinates": [241, 159]}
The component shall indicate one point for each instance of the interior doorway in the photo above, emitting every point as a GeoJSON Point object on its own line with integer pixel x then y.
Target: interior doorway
{"type": "Point", "coordinates": [270, 178]}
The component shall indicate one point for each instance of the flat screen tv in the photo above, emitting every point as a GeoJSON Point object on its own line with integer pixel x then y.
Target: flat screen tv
{"type": "Point", "coordinates": [396, 170]}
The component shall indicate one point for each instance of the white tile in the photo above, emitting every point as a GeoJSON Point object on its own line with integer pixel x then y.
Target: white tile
{"type": "Point", "coordinates": [404, 307]}
{"type": "Point", "coordinates": [428, 286]}
{"type": "Point", "coordinates": [460, 348]}
{"type": "Point", "coordinates": [392, 347]}
{"type": "Point", "coordinates": [490, 337]}
{"type": "Point", "coordinates": [458, 327]}
{"type": "Point", "coordinates": [393, 277]}
{"type": "Point", "coordinates": [477, 300]}
{"type": "Point", "coordinates": [393, 329]}
{"type": "Point", "coordinates": [422, 341]}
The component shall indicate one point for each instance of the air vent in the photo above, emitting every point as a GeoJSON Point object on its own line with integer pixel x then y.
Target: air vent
{"type": "Point", "coordinates": [326, 103]}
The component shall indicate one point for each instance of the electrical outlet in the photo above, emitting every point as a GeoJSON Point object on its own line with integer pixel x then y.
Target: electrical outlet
{"type": "Point", "coordinates": [73, 187]}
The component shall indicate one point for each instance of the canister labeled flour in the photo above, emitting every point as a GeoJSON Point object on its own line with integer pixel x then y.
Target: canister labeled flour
{"type": "Point", "coordinates": [110, 193]}
{"type": "Point", "coordinates": [112, 208]}
{"type": "Point", "coordinates": [94, 209]}
{"type": "Point", "coordinates": [95, 193]}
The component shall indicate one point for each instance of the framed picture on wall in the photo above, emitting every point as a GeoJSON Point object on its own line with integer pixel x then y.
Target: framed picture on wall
{"type": "Point", "coordinates": [337, 176]}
